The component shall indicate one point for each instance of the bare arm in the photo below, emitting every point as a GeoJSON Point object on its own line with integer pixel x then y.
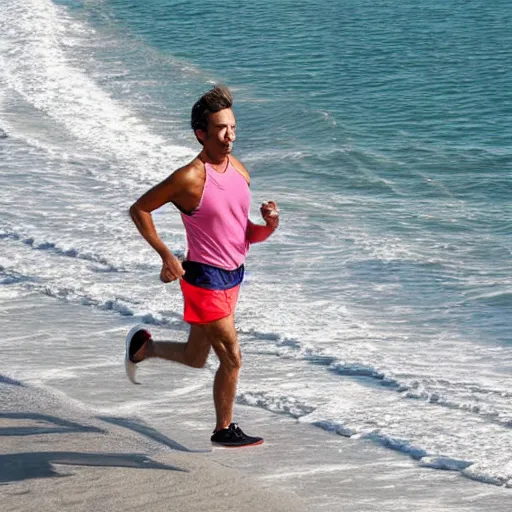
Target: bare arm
{"type": "Point", "coordinates": [140, 212]}
{"type": "Point", "coordinates": [168, 190]}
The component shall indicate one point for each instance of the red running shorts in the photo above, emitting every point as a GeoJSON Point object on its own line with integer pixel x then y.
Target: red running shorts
{"type": "Point", "coordinates": [203, 306]}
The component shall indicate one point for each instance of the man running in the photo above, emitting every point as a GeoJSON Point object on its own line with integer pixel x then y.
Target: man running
{"type": "Point", "coordinates": [213, 196]}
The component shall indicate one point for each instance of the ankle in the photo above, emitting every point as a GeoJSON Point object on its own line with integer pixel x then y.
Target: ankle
{"type": "Point", "coordinates": [150, 349]}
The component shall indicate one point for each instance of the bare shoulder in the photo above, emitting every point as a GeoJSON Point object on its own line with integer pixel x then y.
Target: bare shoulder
{"type": "Point", "coordinates": [190, 174]}
{"type": "Point", "coordinates": [182, 184]}
{"type": "Point", "coordinates": [239, 166]}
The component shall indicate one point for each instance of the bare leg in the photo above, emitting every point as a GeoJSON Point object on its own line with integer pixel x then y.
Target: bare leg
{"type": "Point", "coordinates": [192, 353]}
{"type": "Point", "coordinates": [224, 340]}
{"type": "Point", "coordinates": [222, 336]}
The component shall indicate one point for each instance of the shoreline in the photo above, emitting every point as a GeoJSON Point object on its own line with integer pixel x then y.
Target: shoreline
{"type": "Point", "coordinates": [103, 430]}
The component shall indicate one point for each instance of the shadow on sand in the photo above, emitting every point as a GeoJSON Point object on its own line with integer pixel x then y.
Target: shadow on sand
{"type": "Point", "coordinates": [25, 465]}
{"type": "Point", "coordinates": [41, 424]}
{"type": "Point", "coordinates": [22, 466]}
{"type": "Point", "coordinates": [149, 432]}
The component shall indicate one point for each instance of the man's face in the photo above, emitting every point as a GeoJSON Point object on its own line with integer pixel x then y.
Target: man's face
{"type": "Point", "coordinates": [220, 134]}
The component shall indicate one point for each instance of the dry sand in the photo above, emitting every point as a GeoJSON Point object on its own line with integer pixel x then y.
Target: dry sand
{"type": "Point", "coordinates": [54, 458]}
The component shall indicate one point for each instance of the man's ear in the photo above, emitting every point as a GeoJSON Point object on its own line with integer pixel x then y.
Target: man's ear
{"type": "Point", "coordinates": [200, 135]}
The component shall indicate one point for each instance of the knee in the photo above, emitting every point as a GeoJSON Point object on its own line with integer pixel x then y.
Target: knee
{"type": "Point", "coordinates": [231, 361]}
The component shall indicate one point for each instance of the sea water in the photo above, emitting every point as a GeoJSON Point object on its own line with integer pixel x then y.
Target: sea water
{"type": "Point", "coordinates": [382, 307]}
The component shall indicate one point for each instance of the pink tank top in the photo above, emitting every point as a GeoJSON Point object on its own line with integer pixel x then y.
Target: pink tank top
{"type": "Point", "coordinates": [216, 229]}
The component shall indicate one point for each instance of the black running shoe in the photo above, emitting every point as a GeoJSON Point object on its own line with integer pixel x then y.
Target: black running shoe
{"type": "Point", "coordinates": [134, 341]}
{"type": "Point", "coordinates": [233, 437]}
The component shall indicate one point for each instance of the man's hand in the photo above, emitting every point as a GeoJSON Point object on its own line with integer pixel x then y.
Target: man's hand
{"type": "Point", "coordinates": [257, 233]}
{"type": "Point", "coordinates": [171, 269]}
{"type": "Point", "coordinates": [270, 213]}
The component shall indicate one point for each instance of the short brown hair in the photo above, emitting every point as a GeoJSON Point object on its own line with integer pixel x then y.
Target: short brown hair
{"type": "Point", "coordinates": [217, 98]}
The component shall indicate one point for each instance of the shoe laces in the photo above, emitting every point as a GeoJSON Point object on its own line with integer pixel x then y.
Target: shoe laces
{"type": "Point", "coordinates": [236, 429]}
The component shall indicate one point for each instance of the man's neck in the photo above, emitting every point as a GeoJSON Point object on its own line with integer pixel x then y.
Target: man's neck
{"type": "Point", "coordinates": [219, 164]}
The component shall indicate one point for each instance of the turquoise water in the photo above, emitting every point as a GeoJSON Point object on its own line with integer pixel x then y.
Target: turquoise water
{"type": "Point", "coordinates": [404, 103]}
{"type": "Point", "coordinates": [384, 131]}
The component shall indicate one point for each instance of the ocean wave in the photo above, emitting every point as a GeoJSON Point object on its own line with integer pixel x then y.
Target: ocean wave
{"type": "Point", "coordinates": [474, 470]}
{"type": "Point", "coordinates": [362, 179]}
{"type": "Point", "coordinates": [472, 406]}
{"type": "Point", "coordinates": [121, 305]}
{"type": "Point", "coordinates": [302, 411]}
{"type": "Point", "coordinates": [8, 277]}
{"type": "Point", "coordinates": [471, 462]}
{"type": "Point", "coordinates": [43, 50]}
{"type": "Point", "coordinates": [276, 403]}
{"type": "Point", "coordinates": [10, 382]}
{"type": "Point", "coordinates": [72, 252]}
{"type": "Point", "coordinates": [446, 463]}
{"type": "Point", "coordinates": [499, 298]}
{"type": "Point", "coordinates": [482, 473]}
{"type": "Point", "coordinates": [75, 296]}
{"type": "Point", "coordinates": [427, 390]}
{"type": "Point", "coordinates": [362, 370]}
{"type": "Point", "coordinates": [454, 395]}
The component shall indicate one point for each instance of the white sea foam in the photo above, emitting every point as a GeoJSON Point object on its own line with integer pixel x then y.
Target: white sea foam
{"type": "Point", "coordinates": [42, 245]}
{"type": "Point", "coordinates": [417, 443]}
{"type": "Point", "coordinates": [36, 65]}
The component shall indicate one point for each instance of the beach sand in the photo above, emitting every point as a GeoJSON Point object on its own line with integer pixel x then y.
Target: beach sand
{"type": "Point", "coordinates": [77, 438]}
{"type": "Point", "coordinates": [52, 458]}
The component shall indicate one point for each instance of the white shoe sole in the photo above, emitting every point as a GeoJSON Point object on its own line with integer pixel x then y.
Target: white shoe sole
{"type": "Point", "coordinates": [131, 368]}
